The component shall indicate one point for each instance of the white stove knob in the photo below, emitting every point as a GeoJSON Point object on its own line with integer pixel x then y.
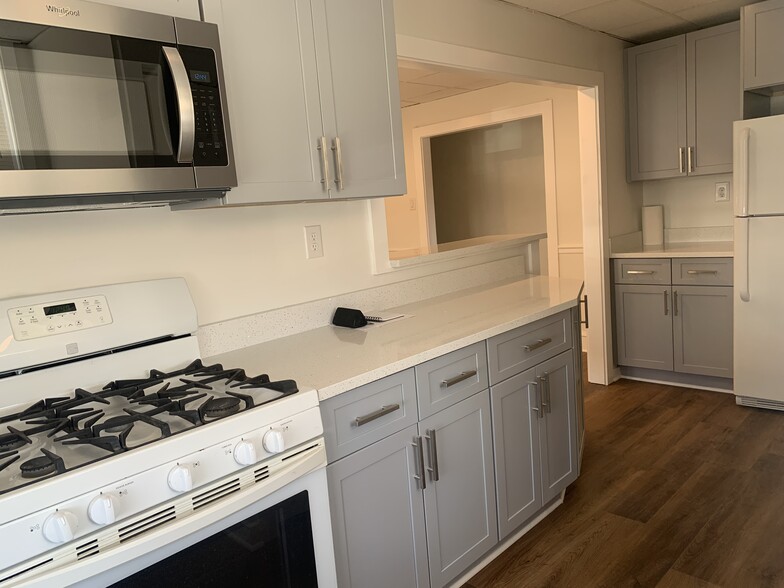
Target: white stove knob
{"type": "Point", "coordinates": [59, 527]}
{"type": "Point", "coordinates": [245, 453]}
{"type": "Point", "coordinates": [180, 479]}
{"type": "Point", "coordinates": [102, 509]}
{"type": "Point", "coordinates": [273, 441]}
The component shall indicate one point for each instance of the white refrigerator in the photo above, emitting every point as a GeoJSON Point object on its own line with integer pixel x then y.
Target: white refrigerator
{"type": "Point", "coordinates": [758, 178]}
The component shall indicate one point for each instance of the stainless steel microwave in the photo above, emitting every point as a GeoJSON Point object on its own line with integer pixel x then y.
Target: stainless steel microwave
{"type": "Point", "coordinates": [106, 107]}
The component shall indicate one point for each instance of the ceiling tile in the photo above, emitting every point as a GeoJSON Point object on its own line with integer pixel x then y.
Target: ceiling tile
{"type": "Point", "coordinates": [465, 80]}
{"type": "Point", "coordinates": [673, 6]}
{"type": "Point", "coordinates": [407, 103]}
{"type": "Point", "coordinates": [556, 8]}
{"type": "Point", "coordinates": [717, 12]}
{"type": "Point", "coordinates": [613, 15]}
{"type": "Point", "coordinates": [444, 93]}
{"type": "Point", "coordinates": [413, 92]}
{"type": "Point", "coordinates": [656, 28]}
{"type": "Point", "coordinates": [409, 74]}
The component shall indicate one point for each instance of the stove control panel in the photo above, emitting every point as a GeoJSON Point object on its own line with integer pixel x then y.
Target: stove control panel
{"type": "Point", "coordinates": [64, 316]}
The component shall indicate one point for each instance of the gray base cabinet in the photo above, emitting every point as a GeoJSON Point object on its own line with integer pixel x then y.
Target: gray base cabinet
{"type": "Point", "coordinates": [460, 507]}
{"type": "Point", "coordinates": [684, 326]}
{"type": "Point", "coordinates": [535, 435]}
{"type": "Point", "coordinates": [378, 520]}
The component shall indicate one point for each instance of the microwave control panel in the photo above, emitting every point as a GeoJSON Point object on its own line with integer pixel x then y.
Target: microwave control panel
{"type": "Point", "coordinates": [210, 141]}
{"type": "Point", "coordinates": [65, 316]}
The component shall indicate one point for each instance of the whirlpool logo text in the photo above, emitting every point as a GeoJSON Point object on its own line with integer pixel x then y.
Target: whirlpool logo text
{"type": "Point", "coordinates": [60, 11]}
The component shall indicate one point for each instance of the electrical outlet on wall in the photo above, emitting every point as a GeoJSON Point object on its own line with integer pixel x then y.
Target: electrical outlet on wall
{"type": "Point", "coordinates": [722, 191]}
{"type": "Point", "coordinates": [315, 247]}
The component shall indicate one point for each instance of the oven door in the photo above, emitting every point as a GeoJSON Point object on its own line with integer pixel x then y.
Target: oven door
{"type": "Point", "coordinates": [250, 538]}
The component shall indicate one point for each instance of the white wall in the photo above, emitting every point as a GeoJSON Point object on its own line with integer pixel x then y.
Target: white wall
{"type": "Point", "coordinates": [690, 202]}
{"type": "Point", "coordinates": [250, 260]}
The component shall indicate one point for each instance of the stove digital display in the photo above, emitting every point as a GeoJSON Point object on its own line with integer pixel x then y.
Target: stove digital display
{"type": "Point", "coordinates": [59, 309]}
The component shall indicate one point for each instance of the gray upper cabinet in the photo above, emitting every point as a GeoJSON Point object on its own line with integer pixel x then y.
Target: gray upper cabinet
{"type": "Point", "coordinates": [378, 520]}
{"type": "Point", "coordinates": [682, 102]}
{"type": "Point", "coordinates": [702, 330]}
{"type": "Point", "coordinates": [656, 87]}
{"type": "Point", "coordinates": [313, 89]}
{"type": "Point", "coordinates": [644, 326]}
{"type": "Point", "coordinates": [763, 44]}
{"type": "Point", "coordinates": [460, 506]}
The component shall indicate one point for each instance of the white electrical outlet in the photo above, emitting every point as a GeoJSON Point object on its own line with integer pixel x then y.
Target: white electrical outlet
{"type": "Point", "coordinates": [313, 243]}
{"type": "Point", "coordinates": [722, 191]}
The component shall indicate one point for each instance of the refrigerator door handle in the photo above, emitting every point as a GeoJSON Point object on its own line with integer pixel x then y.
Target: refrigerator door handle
{"type": "Point", "coordinates": [742, 258]}
{"type": "Point", "coordinates": [742, 171]}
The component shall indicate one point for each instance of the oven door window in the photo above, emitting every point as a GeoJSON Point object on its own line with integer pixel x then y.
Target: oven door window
{"type": "Point", "coordinates": [273, 548]}
{"type": "Point", "coordinates": [80, 100]}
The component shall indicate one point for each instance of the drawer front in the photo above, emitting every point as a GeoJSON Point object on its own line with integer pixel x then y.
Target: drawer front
{"type": "Point", "coordinates": [641, 271]}
{"type": "Point", "coordinates": [514, 352]}
{"type": "Point", "coordinates": [362, 416]}
{"type": "Point", "coordinates": [446, 380]}
{"type": "Point", "coordinates": [702, 271]}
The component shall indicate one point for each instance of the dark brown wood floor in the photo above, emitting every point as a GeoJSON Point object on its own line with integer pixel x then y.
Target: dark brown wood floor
{"type": "Point", "coordinates": [679, 487]}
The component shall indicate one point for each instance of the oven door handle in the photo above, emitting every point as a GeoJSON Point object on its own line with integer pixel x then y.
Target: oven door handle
{"type": "Point", "coordinates": [185, 108]}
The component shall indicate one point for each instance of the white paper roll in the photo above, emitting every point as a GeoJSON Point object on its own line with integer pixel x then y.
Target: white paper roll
{"type": "Point", "coordinates": [652, 225]}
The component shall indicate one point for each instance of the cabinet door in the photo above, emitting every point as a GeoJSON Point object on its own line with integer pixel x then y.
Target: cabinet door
{"type": "Point", "coordinates": [460, 507]}
{"type": "Point", "coordinates": [579, 401]}
{"type": "Point", "coordinates": [656, 88]}
{"type": "Point", "coordinates": [643, 323]}
{"type": "Point", "coordinates": [269, 58]}
{"type": "Point", "coordinates": [763, 44]}
{"type": "Point", "coordinates": [516, 414]}
{"type": "Point", "coordinates": [713, 66]}
{"type": "Point", "coordinates": [558, 428]}
{"type": "Point", "coordinates": [181, 8]}
{"type": "Point", "coordinates": [702, 328]}
{"type": "Point", "coordinates": [357, 62]}
{"type": "Point", "coordinates": [378, 520]}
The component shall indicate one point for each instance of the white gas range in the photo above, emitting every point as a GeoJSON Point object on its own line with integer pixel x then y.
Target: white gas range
{"type": "Point", "coordinates": [124, 459]}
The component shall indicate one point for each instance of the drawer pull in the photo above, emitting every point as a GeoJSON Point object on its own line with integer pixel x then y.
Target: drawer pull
{"type": "Point", "coordinates": [538, 344]}
{"type": "Point", "coordinates": [640, 272]}
{"type": "Point", "coordinates": [701, 272]}
{"type": "Point", "coordinates": [376, 414]}
{"type": "Point", "coordinates": [457, 379]}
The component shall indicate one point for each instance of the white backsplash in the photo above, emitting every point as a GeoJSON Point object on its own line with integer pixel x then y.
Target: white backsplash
{"type": "Point", "coordinates": [690, 203]}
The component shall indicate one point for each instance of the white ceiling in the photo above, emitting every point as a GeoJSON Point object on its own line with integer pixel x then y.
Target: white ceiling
{"type": "Point", "coordinates": [640, 21]}
{"type": "Point", "coordinates": [425, 83]}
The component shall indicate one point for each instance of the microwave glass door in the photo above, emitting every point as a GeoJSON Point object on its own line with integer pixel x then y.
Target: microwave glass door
{"type": "Point", "coordinates": [71, 99]}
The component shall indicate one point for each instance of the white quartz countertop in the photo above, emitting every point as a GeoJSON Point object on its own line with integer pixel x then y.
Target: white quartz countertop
{"type": "Point", "coordinates": [336, 359]}
{"type": "Point", "coordinates": [696, 249]}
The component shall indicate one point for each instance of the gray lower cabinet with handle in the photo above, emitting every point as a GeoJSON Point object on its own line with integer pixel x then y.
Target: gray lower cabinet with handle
{"type": "Point", "coordinates": [412, 470]}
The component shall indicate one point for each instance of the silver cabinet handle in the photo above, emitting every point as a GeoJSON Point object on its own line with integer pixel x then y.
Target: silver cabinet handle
{"type": "Point", "coordinates": [549, 406]}
{"type": "Point", "coordinates": [338, 151]}
{"type": "Point", "coordinates": [701, 272]}
{"type": "Point", "coordinates": [182, 89]}
{"type": "Point", "coordinates": [666, 300]}
{"type": "Point", "coordinates": [640, 272]}
{"type": "Point", "coordinates": [585, 301]}
{"type": "Point", "coordinates": [538, 344]}
{"type": "Point", "coordinates": [680, 160]}
{"type": "Point", "coordinates": [544, 382]}
{"type": "Point", "coordinates": [432, 450]}
{"type": "Point", "coordinates": [538, 409]}
{"type": "Point", "coordinates": [322, 147]}
{"type": "Point", "coordinates": [690, 156]}
{"type": "Point", "coordinates": [419, 458]}
{"type": "Point", "coordinates": [675, 303]}
{"type": "Point", "coordinates": [457, 379]}
{"type": "Point", "coordinates": [376, 414]}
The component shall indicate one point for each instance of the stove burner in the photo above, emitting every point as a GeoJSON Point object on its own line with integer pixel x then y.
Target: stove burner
{"type": "Point", "coordinates": [41, 466]}
{"type": "Point", "coordinates": [14, 439]}
{"type": "Point", "coordinates": [216, 408]}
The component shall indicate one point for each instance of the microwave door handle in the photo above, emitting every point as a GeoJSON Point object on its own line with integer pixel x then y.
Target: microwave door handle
{"type": "Point", "coordinates": [182, 89]}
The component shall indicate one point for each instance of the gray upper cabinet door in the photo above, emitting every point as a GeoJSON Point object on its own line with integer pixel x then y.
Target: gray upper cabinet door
{"type": "Point", "coordinates": [656, 86]}
{"type": "Point", "coordinates": [643, 321]}
{"type": "Point", "coordinates": [515, 407]}
{"type": "Point", "coordinates": [357, 62]}
{"type": "Point", "coordinates": [558, 425]}
{"type": "Point", "coordinates": [460, 506]}
{"type": "Point", "coordinates": [763, 44]}
{"type": "Point", "coordinates": [702, 328]}
{"type": "Point", "coordinates": [378, 520]}
{"type": "Point", "coordinates": [713, 76]}
{"type": "Point", "coordinates": [269, 57]}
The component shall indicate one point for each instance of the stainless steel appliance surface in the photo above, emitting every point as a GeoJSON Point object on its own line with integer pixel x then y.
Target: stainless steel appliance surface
{"type": "Point", "coordinates": [106, 107]}
{"type": "Point", "coordinates": [124, 457]}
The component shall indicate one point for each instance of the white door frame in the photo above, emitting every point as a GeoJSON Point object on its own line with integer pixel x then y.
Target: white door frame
{"type": "Point", "coordinates": [421, 144]}
{"type": "Point", "coordinates": [593, 165]}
